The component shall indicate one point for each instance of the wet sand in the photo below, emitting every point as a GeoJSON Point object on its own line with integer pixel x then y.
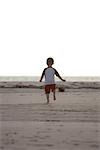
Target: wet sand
{"type": "Point", "coordinates": [72, 122]}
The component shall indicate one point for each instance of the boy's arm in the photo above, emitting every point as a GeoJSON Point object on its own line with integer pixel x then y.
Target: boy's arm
{"type": "Point", "coordinates": [43, 73]}
{"type": "Point", "coordinates": [58, 75]}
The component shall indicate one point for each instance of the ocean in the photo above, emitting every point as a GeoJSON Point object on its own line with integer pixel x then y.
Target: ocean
{"type": "Point", "coordinates": [33, 82]}
{"type": "Point", "coordinates": [36, 78]}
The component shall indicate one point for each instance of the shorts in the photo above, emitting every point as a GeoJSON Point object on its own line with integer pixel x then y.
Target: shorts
{"type": "Point", "coordinates": [49, 87]}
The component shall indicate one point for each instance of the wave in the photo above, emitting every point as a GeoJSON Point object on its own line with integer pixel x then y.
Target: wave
{"type": "Point", "coordinates": [68, 84]}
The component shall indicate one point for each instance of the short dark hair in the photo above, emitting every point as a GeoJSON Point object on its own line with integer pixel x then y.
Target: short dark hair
{"type": "Point", "coordinates": [50, 59]}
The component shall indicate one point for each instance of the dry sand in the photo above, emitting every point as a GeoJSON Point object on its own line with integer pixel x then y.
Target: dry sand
{"type": "Point", "coordinates": [72, 122]}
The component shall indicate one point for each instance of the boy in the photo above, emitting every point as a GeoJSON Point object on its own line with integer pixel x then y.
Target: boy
{"type": "Point", "coordinates": [49, 73]}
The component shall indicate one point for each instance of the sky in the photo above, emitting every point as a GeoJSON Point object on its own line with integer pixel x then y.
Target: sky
{"type": "Point", "coordinates": [33, 30]}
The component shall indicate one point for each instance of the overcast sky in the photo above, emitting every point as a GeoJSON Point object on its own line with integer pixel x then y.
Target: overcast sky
{"type": "Point", "coordinates": [67, 30]}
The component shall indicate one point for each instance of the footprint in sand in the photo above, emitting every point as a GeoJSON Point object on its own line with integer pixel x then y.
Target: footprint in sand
{"type": "Point", "coordinates": [95, 146]}
{"type": "Point", "coordinates": [76, 144]}
{"type": "Point", "coordinates": [1, 147]}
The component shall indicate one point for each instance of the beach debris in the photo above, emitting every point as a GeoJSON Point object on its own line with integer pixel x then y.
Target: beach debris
{"type": "Point", "coordinates": [61, 89]}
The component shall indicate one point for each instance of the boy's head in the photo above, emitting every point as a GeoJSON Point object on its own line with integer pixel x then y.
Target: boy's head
{"type": "Point", "coordinates": [50, 61]}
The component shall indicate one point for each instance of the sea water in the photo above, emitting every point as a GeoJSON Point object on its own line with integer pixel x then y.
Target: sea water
{"type": "Point", "coordinates": [36, 78]}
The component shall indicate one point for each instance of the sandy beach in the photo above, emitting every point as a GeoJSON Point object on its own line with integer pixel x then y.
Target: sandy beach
{"type": "Point", "coordinates": [72, 122]}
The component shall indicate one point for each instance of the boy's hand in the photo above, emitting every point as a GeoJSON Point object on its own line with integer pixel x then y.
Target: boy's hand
{"type": "Point", "coordinates": [63, 80]}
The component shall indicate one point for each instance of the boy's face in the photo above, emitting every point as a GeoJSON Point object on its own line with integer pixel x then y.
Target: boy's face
{"type": "Point", "coordinates": [49, 63]}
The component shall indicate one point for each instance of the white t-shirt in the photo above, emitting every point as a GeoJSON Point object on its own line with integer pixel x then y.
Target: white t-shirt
{"type": "Point", "coordinates": [49, 75]}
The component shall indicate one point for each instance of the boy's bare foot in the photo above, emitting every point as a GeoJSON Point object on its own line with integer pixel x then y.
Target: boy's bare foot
{"type": "Point", "coordinates": [47, 101]}
{"type": "Point", "coordinates": [54, 98]}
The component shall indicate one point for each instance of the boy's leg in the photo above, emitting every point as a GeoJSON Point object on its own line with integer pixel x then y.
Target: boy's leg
{"type": "Point", "coordinates": [53, 90]}
{"type": "Point", "coordinates": [47, 91]}
{"type": "Point", "coordinates": [47, 96]}
{"type": "Point", "coordinates": [54, 96]}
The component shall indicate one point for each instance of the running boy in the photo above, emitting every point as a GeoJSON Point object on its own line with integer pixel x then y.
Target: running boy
{"type": "Point", "coordinates": [49, 73]}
